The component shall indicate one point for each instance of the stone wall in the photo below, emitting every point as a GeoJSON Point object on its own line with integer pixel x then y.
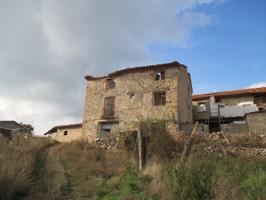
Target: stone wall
{"type": "Point", "coordinates": [184, 99]}
{"type": "Point", "coordinates": [233, 128]}
{"type": "Point", "coordinates": [257, 123]}
{"type": "Point", "coordinates": [134, 99]}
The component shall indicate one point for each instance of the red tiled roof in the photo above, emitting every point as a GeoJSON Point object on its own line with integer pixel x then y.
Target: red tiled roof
{"type": "Point", "coordinates": [138, 69]}
{"type": "Point", "coordinates": [230, 93]}
{"type": "Point", "coordinates": [54, 129]}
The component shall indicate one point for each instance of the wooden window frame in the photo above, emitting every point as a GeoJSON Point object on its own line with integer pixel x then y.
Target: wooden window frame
{"type": "Point", "coordinates": [160, 77]}
{"type": "Point", "coordinates": [105, 113]}
{"type": "Point", "coordinates": [202, 107]}
{"type": "Point", "coordinates": [162, 98]}
{"type": "Point", "coordinates": [110, 84]}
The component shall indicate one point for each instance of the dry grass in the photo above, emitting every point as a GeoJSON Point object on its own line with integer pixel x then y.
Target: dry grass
{"type": "Point", "coordinates": [17, 165]}
{"type": "Point", "coordinates": [79, 170]}
{"type": "Point", "coordinates": [34, 169]}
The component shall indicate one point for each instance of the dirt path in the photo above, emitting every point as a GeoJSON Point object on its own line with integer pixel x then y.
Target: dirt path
{"type": "Point", "coordinates": [48, 174]}
{"type": "Point", "coordinates": [40, 160]}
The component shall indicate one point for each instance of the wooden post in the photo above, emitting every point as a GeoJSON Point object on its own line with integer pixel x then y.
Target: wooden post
{"type": "Point", "coordinates": [188, 144]}
{"type": "Point", "coordinates": [227, 141]}
{"type": "Point", "coordinates": [140, 150]}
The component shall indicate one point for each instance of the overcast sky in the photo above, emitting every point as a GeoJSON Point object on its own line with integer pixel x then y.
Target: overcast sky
{"type": "Point", "coordinates": [48, 46]}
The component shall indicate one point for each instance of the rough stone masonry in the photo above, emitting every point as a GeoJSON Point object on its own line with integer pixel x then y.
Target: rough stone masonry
{"type": "Point", "coordinates": [117, 101]}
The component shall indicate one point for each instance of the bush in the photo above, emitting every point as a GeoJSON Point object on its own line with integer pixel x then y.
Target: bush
{"type": "Point", "coordinates": [190, 182]}
{"type": "Point", "coordinates": [254, 185]}
{"type": "Point", "coordinates": [131, 185]}
{"type": "Point", "coordinates": [216, 178]}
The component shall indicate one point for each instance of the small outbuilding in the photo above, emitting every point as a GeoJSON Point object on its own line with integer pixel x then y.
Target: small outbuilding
{"type": "Point", "coordinates": [65, 133]}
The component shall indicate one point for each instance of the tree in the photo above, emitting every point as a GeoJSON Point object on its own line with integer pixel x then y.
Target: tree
{"type": "Point", "coordinates": [28, 126]}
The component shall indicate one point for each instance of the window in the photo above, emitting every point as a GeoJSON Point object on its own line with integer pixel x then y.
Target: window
{"type": "Point", "coordinates": [132, 96]}
{"type": "Point", "coordinates": [110, 84]}
{"type": "Point", "coordinates": [106, 128]}
{"type": "Point", "coordinates": [159, 98]}
{"type": "Point", "coordinates": [202, 107]}
{"type": "Point", "coordinates": [260, 99]}
{"type": "Point", "coordinates": [109, 107]}
{"type": "Point", "coordinates": [160, 75]}
{"type": "Point", "coordinates": [65, 132]}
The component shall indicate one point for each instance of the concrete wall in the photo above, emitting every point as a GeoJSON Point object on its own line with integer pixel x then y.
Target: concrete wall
{"type": "Point", "coordinates": [201, 115]}
{"type": "Point", "coordinates": [228, 111]}
{"type": "Point", "coordinates": [72, 134]}
{"type": "Point", "coordinates": [233, 101]}
{"type": "Point", "coordinates": [128, 110]}
{"type": "Point", "coordinates": [257, 123]}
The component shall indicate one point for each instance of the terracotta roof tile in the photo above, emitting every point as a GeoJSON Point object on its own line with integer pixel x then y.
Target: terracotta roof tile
{"type": "Point", "coordinates": [230, 93]}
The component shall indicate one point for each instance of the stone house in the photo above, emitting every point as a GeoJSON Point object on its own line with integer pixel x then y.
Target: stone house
{"type": "Point", "coordinates": [115, 102]}
{"type": "Point", "coordinates": [65, 133]}
{"type": "Point", "coordinates": [228, 110]}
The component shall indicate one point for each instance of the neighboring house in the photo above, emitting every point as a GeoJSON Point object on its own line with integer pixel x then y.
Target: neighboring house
{"type": "Point", "coordinates": [228, 110]}
{"type": "Point", "coordinates": [65, 133]}
{"type": "Point", "coordinates": [120, 99]}
{"type": "Point", "coordinates": [11, 129]}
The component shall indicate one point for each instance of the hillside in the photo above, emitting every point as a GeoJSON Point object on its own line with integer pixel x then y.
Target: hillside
{"type": "Point", "coordinates": [43, 169]}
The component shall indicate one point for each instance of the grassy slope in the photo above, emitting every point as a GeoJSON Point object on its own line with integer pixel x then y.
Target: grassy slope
{"type": "Point", "coordinates": [79, 171]}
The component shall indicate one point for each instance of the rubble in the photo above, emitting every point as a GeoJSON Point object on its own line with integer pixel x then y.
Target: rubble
{"type": "Point", "coordinates": [215, 144]}
{"type": "Point", "coordinates": [234, 151]}
{"type": "Point", "coordinates": [211, 144]}
{"type": "Point", "coordinates": [116, 142]}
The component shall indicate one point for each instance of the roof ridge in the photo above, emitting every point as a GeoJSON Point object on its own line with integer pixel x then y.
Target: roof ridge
{"type": "Point", "coordinates": [15, 122]}
{"type": "Point", "coordinates": [63, 126]}
{"type": "Point", "coordinates": [230, 92]}
{"type": "Point", "coordinates": [138, 68]}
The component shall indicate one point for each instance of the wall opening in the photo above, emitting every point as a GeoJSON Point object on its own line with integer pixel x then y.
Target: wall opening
{"type": "Point", "coordinates": [109, 107]}
{"type": "Point", "coordinates": [160, 75]}
{"type": "Point", "coordinates": [65, 132]}
{"type": "Point", "coordinates": [110, 84]}
{"type": "Point", "coordinates": [159, 98]}
{"type": "Point", "coordinates": [132, 96]}
{"type": "Point", "coordinates": [106, 128]}
{"type": "Point", "coordinates": [201, 107]}
{"type": "Point", "coordinates": [214, 127]}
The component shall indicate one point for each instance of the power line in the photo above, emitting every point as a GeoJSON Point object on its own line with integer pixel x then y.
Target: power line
{"type": "Point", "coordinates": [48, 115]}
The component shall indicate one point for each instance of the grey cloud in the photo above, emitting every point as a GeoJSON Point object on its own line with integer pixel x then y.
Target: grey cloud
{"type": "Point", "coordinates": [48, 46]}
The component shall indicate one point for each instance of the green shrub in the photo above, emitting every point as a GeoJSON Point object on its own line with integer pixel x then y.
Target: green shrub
{"type": "Point", "coordinates": [254, 186]}
{"type": "Point", "coordinates": [190, 182]}
{"type": "Point", "coordinates": [131, 185]}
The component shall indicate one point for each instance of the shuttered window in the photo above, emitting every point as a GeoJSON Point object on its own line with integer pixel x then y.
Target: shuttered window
{"type": "Point", "coordinates": [109, 106]}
